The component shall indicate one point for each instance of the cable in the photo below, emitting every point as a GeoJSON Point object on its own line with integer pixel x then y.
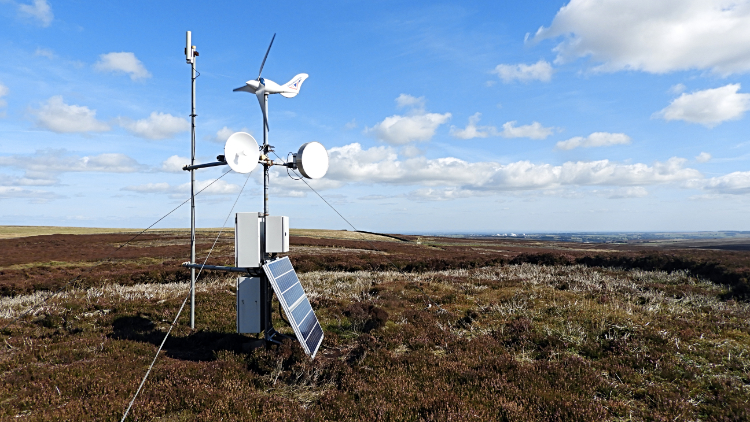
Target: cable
{"type": "Point", "coordinates": [143, 381]}
{"type": "Point", "coordinates": [43, 301]}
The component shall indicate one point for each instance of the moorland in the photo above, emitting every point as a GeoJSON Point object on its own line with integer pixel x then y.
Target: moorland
{"type": "Point", "coordinates": [416, 328]}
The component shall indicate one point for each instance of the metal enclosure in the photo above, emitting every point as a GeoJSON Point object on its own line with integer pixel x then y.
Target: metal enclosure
{"type": "Point", "coordinates": [249, 302]}
{"type": "Point", "coordinates": [277, 234]}
{"type": "Point", "coordinates": [247, 233]}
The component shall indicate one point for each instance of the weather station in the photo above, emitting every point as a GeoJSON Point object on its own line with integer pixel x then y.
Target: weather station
{"type": "Point", "coordinates": [260, 237]}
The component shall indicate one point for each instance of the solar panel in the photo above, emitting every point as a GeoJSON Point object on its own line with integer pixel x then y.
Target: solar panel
{"type": "Point", "coordinates": [297, 308]}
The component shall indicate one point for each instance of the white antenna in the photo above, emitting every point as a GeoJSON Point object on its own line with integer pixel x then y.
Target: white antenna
{"type": "Point", "coordinates": [259, 237]}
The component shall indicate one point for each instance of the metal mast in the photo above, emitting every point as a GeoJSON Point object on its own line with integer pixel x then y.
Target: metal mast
{"type": "Point", "coordinates": [191, 55]}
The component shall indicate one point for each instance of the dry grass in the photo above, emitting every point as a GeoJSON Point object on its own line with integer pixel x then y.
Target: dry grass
{"type": "Point", "coordinates": [472, 341]}
{"type": "Point", "coordinates": [515, 342]}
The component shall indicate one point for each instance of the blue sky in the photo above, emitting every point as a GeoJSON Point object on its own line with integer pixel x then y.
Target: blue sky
{"type": "Point", "coordinates": [439, 117]}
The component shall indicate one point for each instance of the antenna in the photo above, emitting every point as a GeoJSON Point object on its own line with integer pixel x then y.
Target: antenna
{"type": "Point", "coordinates": [260, 237]}
{"type": "Point", "coordinates": [189, 49]}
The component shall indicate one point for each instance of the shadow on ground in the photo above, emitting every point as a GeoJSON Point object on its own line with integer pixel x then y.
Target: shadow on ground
{"type": "Point", "coordinates": [200, 346]}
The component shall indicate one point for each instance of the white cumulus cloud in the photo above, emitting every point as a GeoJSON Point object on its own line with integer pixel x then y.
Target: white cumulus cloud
{"type": "Point", "coordinates": [472, 131]}
{"type": "Point", "coordinates": [59, 117]}
{"type": "Point", "coordinates": [539, 71]}
{"type": "Point", "coordinates": [174, 164]}
{"type": "Point", "coordinates": [406, 100]}
{"type": "Point", "coordinates": [510, 130]}
{"type": "Point", "coordinates": [708, 107]}
{"type": "Point", "coordinates": [534, 131]}
{"type": "Point", "coordinates": [224, 133]}
{"type": "Point", "coordinates": [416, 126]}
{"type": "Point", "coordinates": [125, 62]}
{"type": "Point", "coordinates": [654, 36]}
{"type": "Point", "coordinates": [352, 163]}
{"type": "Point", "coordinates": [400, 130]}
{"type": "Point", "coordinates": [703, 157]}
{"type": "Point", "coordinates": [737, 183]}
{"type": "Point", "coordinates": [156, 126]}
{"type": "Point", "coordinates": [39, 10]}
{"type": "Point", "coordinates": [596, 139]}
{"type": "Point", "coordinates": [42, 167]}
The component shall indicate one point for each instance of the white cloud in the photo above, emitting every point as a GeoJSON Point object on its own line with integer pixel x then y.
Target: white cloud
{"type": "Point", "coordinates": [38, 10]}
{"type": "Point", "coordinates": [42, 167]}
{"type": "Point", "coordinates": [156, 126]}
{"type": "Point", "coordinates": [417, 126]}
{"type": "Point", "coordinates": [45, 52]}
{"type": "Point", "coordinates": [406, 100]}
{"type": "Point", "coordinates": [737, 183]}
{"type": "Point", "coordinates": [174, 164]}
{"type": "Point", "coordinates": [59, 117]}
{"type": "Point", "coordinates": [472, 130]}
{"type": "Point", "coordinates": [677, 89]}
{"type": "Point", "coordinates": [708, 107]}
{"type": "Point", "coordinates": [410, 151]}
{"type": "Point", "coordinates": [36, 196]}
{"type": "Point", "coordinates": [703, 157]}
{"type": "Point", "coordinates": [224, 133]}
{"type": "Point", "coordinates": [596, 139]}
{"type": "Point", "coordinates": [400, 130]}
{"type": "Point", "coordinates": [122, 62]}
{"type": "Point", "coordinates": [539, 71]}
{"type": "Point", "coordinates": [534, 131]}
{"type": "Point", "coordinates": [351, 163]}
{"type": "Point", "coordinates": [6, 180]}
{"type": "Point", "coordinates": [351, 124]}
{"type": "Point", "coordinates": [654, 36]}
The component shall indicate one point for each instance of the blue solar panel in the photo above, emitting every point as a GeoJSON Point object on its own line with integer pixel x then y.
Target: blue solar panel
{"type": "Point", "coordinates": [280, 267]}
{"type": "Point", "coordinates": [292, 295]}
{"type": "Point", "coordinates": [296, 306]}
{"type": "Point", "coordinates": [300, 312]}
{"type": "Point", "coordinates": [287, 280]}
{"type": "Point", "coordinates": [315, 339]}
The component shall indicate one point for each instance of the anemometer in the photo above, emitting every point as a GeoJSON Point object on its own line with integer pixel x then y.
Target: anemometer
{"type": "Point", "coordinates": [259, 237]}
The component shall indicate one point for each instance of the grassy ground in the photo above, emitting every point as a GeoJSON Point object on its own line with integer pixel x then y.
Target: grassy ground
{"type": "Point", "coordinates": [474, 341]}
{"type": "Point", "coordinates": [13, 232]}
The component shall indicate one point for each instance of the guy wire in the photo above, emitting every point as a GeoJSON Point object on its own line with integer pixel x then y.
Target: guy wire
{"type": "Point", "coordinates": [143, 381]}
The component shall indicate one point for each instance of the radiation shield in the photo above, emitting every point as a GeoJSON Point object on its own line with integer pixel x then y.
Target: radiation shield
{"type": "Point", "coordinates": [241, 152]}
{"type": "Point", "coordinates": [312, 160]}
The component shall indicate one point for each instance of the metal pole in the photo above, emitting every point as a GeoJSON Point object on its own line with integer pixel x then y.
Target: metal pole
{"type": "Point", "coordinates": [265, 152]}
{"type": "Point", "coordinates": [266, 291]}
{"type": "Point", "coordinates": [192, 199]}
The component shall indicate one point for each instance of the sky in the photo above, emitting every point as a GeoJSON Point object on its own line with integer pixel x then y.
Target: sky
{"type": "Point", "coordinates": [438, 117]}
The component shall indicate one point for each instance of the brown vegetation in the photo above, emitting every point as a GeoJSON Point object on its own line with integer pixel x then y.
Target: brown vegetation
{"type": "Point", "coordinates": [446, 329]}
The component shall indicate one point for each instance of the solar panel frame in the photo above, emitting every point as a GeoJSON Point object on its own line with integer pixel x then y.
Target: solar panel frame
{"type": "Point", "coordinates": [294, 301]}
